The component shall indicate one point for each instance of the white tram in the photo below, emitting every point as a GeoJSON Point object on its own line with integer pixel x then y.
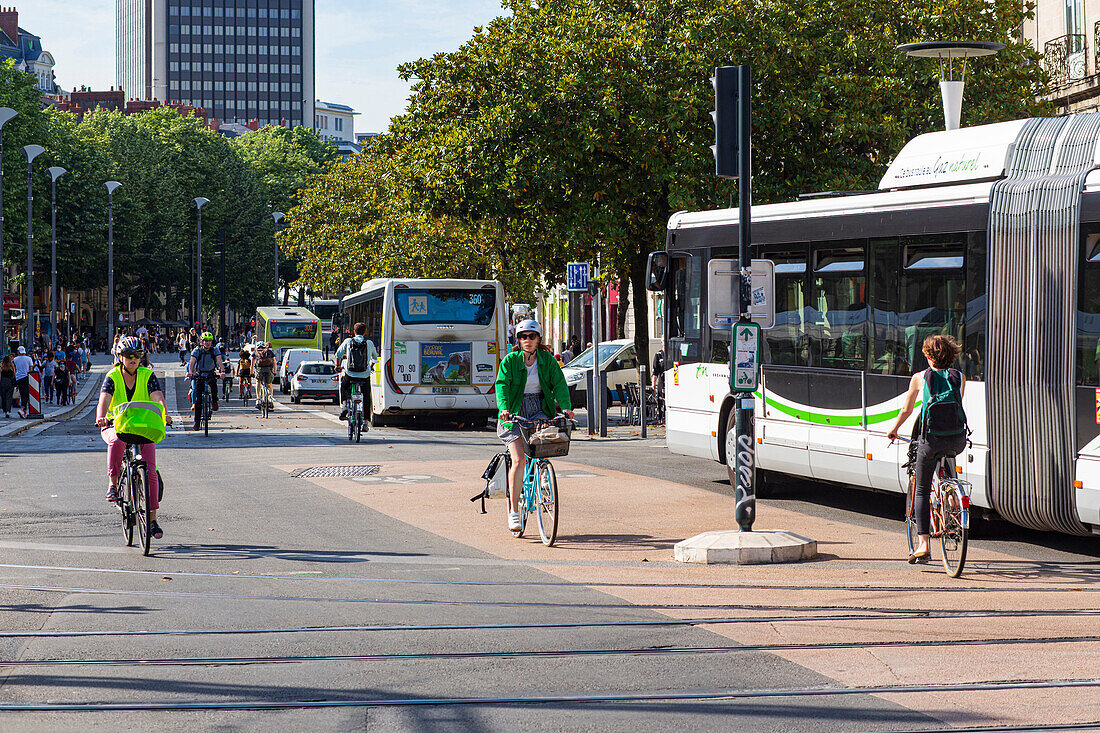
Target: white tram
{"type": "Point", "coordinates": [990, 234]}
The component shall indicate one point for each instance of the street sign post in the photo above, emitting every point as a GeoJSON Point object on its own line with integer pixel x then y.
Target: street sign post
{"type": "Point", "coordinates": [577, 275]}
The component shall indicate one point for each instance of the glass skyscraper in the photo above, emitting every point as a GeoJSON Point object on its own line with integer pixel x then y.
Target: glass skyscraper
{"type": "Point", "coordinates": [240, 60]}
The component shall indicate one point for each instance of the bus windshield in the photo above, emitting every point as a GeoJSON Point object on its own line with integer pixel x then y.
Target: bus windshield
{"type": "Point", "coordinates": [443, 305]}
{"type": "Point", "coordinates": [325, 311]}
{"type": "Point", "coordinates": [303, 330]}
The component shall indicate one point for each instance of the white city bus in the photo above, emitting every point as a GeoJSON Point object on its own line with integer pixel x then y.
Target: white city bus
{"type": "Point", "coordinates": [439, 345]}
{"type": "Point", "coordinates": [990, 234]}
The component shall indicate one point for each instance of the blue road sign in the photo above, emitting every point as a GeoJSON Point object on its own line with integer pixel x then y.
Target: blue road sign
{"type": "Point", "coordinates": [576, 276]}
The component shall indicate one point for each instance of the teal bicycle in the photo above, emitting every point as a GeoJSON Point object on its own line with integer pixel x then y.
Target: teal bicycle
{"type": "Point", "coordinates": [540, 483]}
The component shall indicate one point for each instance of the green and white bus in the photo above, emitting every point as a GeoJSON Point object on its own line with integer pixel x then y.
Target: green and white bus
{"type": "Point", "coordinates": [284, 326]}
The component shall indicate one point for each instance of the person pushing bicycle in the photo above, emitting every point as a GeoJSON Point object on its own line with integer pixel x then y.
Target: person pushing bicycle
{"type": "Point", "coordinates": [531, 384]}
{"type": "Point", "coordinates": [941, 430]}
{"type": "Point", "coordinates": [203, 370]}
{"type": "Point", "coordinates": [130, 386]}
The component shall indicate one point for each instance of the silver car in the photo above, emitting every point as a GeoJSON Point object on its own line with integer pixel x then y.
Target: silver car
{"type": "Point", "coordinates": [315, 380]}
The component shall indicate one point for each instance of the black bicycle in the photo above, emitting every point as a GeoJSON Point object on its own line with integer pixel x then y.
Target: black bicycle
{"type": "Point", "coordinates": [227, 387]}
{"type": "Point", "coordinates": [133, 498]}
{"type": "Point", "coordinates": [204, 407]}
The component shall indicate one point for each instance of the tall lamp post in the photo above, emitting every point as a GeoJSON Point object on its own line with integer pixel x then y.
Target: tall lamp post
{"type": "Point", "coordinates": [32, 152]}
{"type": "Point", "coordinates": [111, 186]}
{"type": "Point", "coordinates": [278, 217]}
{"type": "Point", "coordinates": [55, 173]}
{"type": "Point", "coordinates": [199, 203]}
{"type": "Point", "coordinates": [6, 113]}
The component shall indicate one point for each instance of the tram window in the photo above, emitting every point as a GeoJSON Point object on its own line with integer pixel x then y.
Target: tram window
{"type": "Point", "coordinates": [933, 295]}
{"type": "Point", "coordinates": [837, 312]}
{"type": "Point", "coordinates": [787, 342]}
{"type": "Point", "coordinates": [973, 361]}
{"type": "Point", "coordinates": [887, 350]}
{"type": "Point", "coordinates": [1088, 312]}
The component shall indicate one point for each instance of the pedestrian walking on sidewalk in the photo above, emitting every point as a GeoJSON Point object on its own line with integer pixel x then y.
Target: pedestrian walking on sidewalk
{"type": "Point", "coordinates": [7, 384]}
{"type": "Point", "coordinates": [47, 377]}
{"type": "Point", "coordinates": [23, 364]}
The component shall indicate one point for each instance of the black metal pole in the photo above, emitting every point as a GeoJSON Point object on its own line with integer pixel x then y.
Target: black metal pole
{"type": "Point", "coordinates": [110, 270]}
{"type": "Point", "coordinates": [3, 334]}
{"type": "Point", "coordinates": [198, 274]}
{"type": "Point", "coordinates": [53, 263]}
{"type": "Point", "coordinates": [745, 459]}
{"type": "Point", "coordinates": [221, 293]}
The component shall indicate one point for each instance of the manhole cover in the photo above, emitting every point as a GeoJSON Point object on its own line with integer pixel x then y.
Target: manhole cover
{"type": "Point", "coordinates": [335, 471]}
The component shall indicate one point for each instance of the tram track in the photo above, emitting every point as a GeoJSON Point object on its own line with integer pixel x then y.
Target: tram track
{"type": "Point", "coordinates": [638, 697]}
{"type": "Point", "coordinates": [1094, 588]}
{"type": "Point", "coordinates": [709, 621]}
{"type": "Point", "coordinates": [537, 653]}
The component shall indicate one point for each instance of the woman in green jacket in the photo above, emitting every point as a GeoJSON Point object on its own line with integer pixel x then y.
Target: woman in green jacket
{"type": "Point", "coordinates": [530, 384]}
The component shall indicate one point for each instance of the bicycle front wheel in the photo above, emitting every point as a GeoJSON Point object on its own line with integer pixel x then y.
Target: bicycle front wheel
{"type": "Point", "coordinates": [139, 499]}
{"type": "Point", "coordinates": [547, 498]}
{"type": "Point", "coordinates": [953, 534]}
{"type": "Point", "coordinates": [206, 414]}
{"type": "Point", "coordinates": [126, 509]}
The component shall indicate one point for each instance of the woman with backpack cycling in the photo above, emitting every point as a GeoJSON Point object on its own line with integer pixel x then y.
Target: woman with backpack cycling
{"type": "Point", "coordinates": [529, 384]}
{"type": "Point", "coordinates": [941, 430]}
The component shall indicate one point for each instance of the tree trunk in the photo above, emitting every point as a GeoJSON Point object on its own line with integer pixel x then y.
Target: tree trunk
{"type": "Point", "coordinates": [638, 280]}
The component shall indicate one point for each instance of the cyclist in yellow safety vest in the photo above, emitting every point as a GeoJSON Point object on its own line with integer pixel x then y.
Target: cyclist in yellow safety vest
{"type": "Point", "coordinates": [126, 383]}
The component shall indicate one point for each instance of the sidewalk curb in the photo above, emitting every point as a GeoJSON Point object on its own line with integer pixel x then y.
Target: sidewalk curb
{"type": "Point", "coordinates": [82, 400]}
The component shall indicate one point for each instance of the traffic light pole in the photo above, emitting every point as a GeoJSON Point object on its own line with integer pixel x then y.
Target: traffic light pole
{"type": "Point", "coordinates": [744, 402]}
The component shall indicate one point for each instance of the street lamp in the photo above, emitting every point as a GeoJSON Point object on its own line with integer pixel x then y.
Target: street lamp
{"type": "Point", "coordinates": [111, 186]}
{"type": "Point", "coordinates": [6, 113]}
{"type": "Point", "coordinates": [199, 203]}
{"type": "Point", "coordinates": [32, 152]}
{"type": "Point", "coordinates": [55, 173]}
{"type": "Point", "coordinates": [278, 217]}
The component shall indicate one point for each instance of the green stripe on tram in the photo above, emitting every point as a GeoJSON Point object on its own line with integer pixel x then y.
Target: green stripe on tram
{"type": "Point", "coordinates": [821, 418]}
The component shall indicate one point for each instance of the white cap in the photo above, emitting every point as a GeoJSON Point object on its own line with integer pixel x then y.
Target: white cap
{"type": "Point", "coordinates": [529, 325]}
{"type": "Point", "coordinates": [22, 349]}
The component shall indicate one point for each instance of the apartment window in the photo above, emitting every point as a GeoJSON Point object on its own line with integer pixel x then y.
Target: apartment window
{"type": "Point", "coordinates": [252, 68]}
{"type": "Point", "coordinates": [218, 12]}
{"type": "Point", "coordinates": [230, 30]}
{"type": "Point", "coordinates": [251, 86]}
{"type": "Point", "coordinates": [252, 49]}
{"type": "Point", "coordinates": [174, 84]}
{"type": "Point", "coordinates": [296, 105]}
{"type": "Point", "coordinates": [207, 11]}
{"type": "Point", "coordinates": [219, 30]}
{"type": "Point", "coordinates": [207, 85]}
{"type": "Point", "coordinates": [207, 48]}
{"type": "Point", "coordinates": [285, 87]}
{"type": "Point", "coordinates": [263, 50]}
{"type": "Point", "coordinates": [286, 33]}
{"type": "Point", "coordinates": [252, 12]}
{"type": "Point", "coordinates": [295, 69]}
{"type": "Point", "coordinates": [219, 67]}
{"type": "Point", "coordinates": [196, 30]}
{"type": "Point", "coordinates": [263, 68]}
{"type": "Point", "coordinates": [297, 50]}
{"type": "Point", "coordinates": [173, 48]}
{"type": "Point", "coordinates": [185, 65]}
{"type": "Point", "coordinates": [184, 30]}
{"type": "Point", "coordinates": [263, 86]}
{"type": "Point", "coordinates": [296, 86]}
{"type": "Point", "coordinates": [219, 86]}
{"type": "Point", "coordinates": [208, 66]}
{"type": "Point", "coordinates": [296, 32]}
{"type": "Point", "coordinates": [185, 11]}
{"type": "Point", "coordinates": [263, 12]}
{"type": "Point", "coordinates": [185, 47]}
{"type": "Point", "coordinates": [229, 12]}
{"type": "Point", "coordinates": [263, 105]}
{"type": "Point", "coordinates": [240, 68]}
{"type": "Point", "coordinates": [219, 49]}
{"type": "Point", "coordinates": [293, 13]}
{"type": "Point", "coordinates": [252, 30]}
{"type": "Point", "coordinates": [185, 84]}
{"type": "Point", "coordinates": [263, 30]}
{"type": "Point", "coordinates": [240, 49]}
{"type": "Point", "coordinates": [240, 30]}
{"type": "Point", "coordinates": [339, 124]}
{"type": "Point", "coordinates": [208, 30]}
{"type": "Point", "coordinates": [173, 65]}
{"type": "Point", "coordinates": [173, 30]}
{"type": "Point", "coordinates": [174, 10]}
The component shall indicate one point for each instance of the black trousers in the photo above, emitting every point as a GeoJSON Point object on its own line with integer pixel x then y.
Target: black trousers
{"type": "Point", "coordinates": [930, 449]}
{"type": "Point", "coordinates": [345, 387]}
{"type": "Point", "coordinates": [24, 386]}
{"type": "Point", "coordinates": [7, 386]}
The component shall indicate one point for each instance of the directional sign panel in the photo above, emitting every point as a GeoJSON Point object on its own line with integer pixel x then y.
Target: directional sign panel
{"type": "Point", "coordinates": [745, 375]}
{"type": "Point", "coordinates": [723, 296]}
{"type": "Point", "coordinates": [577, 276]}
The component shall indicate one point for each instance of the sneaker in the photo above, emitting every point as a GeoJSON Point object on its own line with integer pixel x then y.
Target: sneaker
{"type": "Point", "coordinates": [514, 524]}
{"type": "Point", "coordinates": [215, 405]}
{"type": "Point", "coordinates": [155, 530]}
{"type": "Point", "coordinates": [344, 414]}
{"type": "Point", "coordinates": [112, 494]}
{"type": "Point", "coordinates": [197, 426]}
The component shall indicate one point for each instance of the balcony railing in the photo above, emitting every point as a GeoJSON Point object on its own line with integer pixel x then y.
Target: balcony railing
{"type": "Point", "coordinates": [1065, 58]}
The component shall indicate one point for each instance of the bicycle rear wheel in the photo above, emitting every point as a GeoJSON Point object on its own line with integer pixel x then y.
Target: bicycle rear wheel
{"type": "Point", "coordinates": [910, 520]}
{"type": "Point", "coordinates": [547, 498]}
{"type": "Point", "coordinates": [139, 498]}
{"type": "Point", "coordinates": [351, 422]}
{"type": "Point", "coordinates": [953, 534]}
{"type": "Point", "coordinates": [206, 414]}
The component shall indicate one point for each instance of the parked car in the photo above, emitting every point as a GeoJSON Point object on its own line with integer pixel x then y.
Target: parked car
{"type": "Point", "coordinates": [617, 358]}
{"type": "Point", "coordinates": [292, 357]}
{"type": "Point", "coordinates": [315, 380]}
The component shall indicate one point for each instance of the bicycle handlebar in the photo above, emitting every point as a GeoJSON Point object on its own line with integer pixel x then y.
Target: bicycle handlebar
{"type": "Point", "coordinates": [528, 422]}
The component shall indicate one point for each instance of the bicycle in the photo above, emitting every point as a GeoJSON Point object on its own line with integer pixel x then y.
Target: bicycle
{"type": "Point", "coordinates": [133, 498]}
{"type": "Point", "coordinates": [246, 389]}
{"type": "Point", "coordinates": [227, 387]}
{"type": "Point", "coordinates": [950, 521]}
{"type": "Point", "coordinates": [204, 407]}
{"type": "Point", "coordinates": [540, 482]}
{"type": "Point", "coordinates": [264, 394]}
{"type": "Point", "coordinates": [355, 413]}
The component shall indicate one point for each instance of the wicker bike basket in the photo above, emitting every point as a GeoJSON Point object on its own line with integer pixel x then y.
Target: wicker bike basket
{"type": "Point", "coordinates": [538, 442]}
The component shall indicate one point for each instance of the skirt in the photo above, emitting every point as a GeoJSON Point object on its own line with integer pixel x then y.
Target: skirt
{"type": "Point", "coordinates": [530, 408]}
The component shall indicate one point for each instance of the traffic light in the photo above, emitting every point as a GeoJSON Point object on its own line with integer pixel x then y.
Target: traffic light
{"type": "Point", "coordinates": [725, 116]}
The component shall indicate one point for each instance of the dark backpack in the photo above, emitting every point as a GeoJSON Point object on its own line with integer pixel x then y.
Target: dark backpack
{"type": "Point", "coordinates": [357, 356]}
{"type": "Point", "coordinates": [943, 415]}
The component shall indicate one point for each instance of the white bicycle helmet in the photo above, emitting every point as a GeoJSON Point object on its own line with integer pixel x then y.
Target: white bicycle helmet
{"type": "Point", "coordinates": [530, 326]}
{"type": "Point", "coordinates": [129, 343]}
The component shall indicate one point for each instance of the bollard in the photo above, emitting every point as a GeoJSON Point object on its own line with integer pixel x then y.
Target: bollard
{"type": "Point", "coordinates": [34, 399]}
{"type": "Point", "coordinates": [643, 408]}
{"type": "Point", "coordinates": [603, 404]}
{"type": "Point", "coordinates": [589, 395]}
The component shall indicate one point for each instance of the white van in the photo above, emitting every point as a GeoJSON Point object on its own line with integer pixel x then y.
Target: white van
{"type": "Point", "coordinates": [617, 358]}
{"type": "Point", "coordinates": [292, 357]}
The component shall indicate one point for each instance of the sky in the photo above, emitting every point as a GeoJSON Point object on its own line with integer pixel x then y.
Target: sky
{"type": "Point", "coordinates": [359, 45]}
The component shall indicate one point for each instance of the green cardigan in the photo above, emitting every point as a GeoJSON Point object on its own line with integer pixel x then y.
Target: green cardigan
{"type": "Point", "coordinates": [512, 380]}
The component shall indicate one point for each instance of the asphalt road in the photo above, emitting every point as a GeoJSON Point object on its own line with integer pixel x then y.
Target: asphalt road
{"type": "Point", "coordinates": [285, 567]}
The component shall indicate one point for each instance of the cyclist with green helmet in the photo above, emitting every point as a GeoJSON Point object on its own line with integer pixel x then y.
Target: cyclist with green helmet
{"type": "Point", "coordinates": [203, 371]}
{"type": "Point", "coordinates": [126, 384]}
